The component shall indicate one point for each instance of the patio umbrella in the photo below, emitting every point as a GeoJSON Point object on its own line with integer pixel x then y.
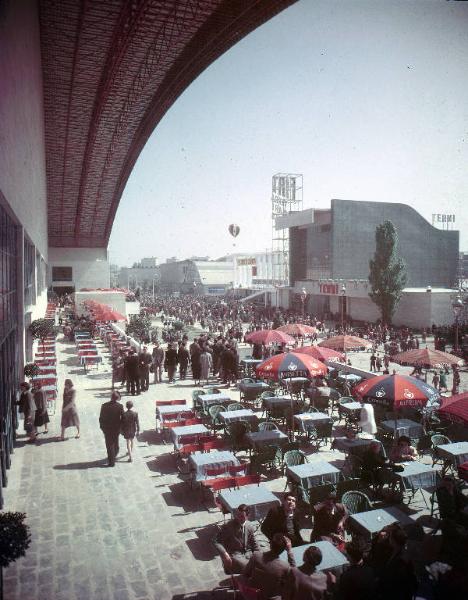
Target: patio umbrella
{"type": "Point", "coordinates": [269, 336]}
{"type": "Point", "coordinates": [396, 391]}
{"type": "Point", "coordinates": [429, 359]}
{"type": "Point", "coordinates": [297, 329]}
{"type": "Point", "coordinates": [455, 408]}
{"type": "Point", "coordinates": [289, 364]}
{"type": "Point", "coordinates": [345, 342]}
{"type": "Point", "coordinates": [321, 353]}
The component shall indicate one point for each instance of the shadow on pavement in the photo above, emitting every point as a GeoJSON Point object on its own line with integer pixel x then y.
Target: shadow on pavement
{"type": "Point", "coordinates": [182, 496]}
{"type": "Point", "coordinates": [79, 466]}
{"type": "Point", "coordinates": [151, 437]}
{"type": "Point", "coordinates": [201, 546]}
{"type": "Point", "coordinates": [164, 465]}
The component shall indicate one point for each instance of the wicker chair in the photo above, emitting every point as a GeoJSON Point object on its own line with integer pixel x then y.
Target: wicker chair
{"type": "Point", "coordinates": [214, 414]}
{"type": "Point", "coordinates": [236, 435]}
{"type": "Point", "coordinates": [266, 458]}
{"type": "Point", "coordinates": [235, 406]}
{"type": "Point", "coordinates": [356, 502]}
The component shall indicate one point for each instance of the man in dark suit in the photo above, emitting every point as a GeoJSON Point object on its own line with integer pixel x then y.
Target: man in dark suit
{"type": "Point", "coordinates": [110, 420]}
{"type": "Point", "coordinates": [236, 541]}
{"type": "Point", "coordinates": [304, 582]}
{"type": "Point", "coordinates": [132, 368]}
{"type": "Point", "coordinates": [265, 571]}
{"type": "Point", "coordinates": [144, 360]}
{"type": "Point", "coordinates": [282, 519]}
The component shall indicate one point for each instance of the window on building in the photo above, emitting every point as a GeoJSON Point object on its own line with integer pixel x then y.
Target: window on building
{"type": "Point", "coordinates": [62, 274]}
{"type": "Point", "coordinates": [29, 271]}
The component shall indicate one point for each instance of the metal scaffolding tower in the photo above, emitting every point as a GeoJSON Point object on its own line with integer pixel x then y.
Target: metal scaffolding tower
{"type": "Point", "coordinates": [286, 197]}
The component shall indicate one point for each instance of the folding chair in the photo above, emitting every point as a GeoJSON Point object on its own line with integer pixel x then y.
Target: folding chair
{"type": "Point", "coordinates": [247, 480]}
{"type": "Point", "coordinates": [213, 445]}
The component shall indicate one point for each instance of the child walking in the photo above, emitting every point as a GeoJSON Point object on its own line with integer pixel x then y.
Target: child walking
{"type": "Point", "coordinates": [130, 427]}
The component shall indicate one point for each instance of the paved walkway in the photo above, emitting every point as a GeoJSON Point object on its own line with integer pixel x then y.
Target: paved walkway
{"type": "Point", "coordinates": [130, 533]}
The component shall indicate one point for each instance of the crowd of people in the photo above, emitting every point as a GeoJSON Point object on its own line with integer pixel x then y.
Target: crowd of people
{"type": "Point", "coordinates": [391, 565]}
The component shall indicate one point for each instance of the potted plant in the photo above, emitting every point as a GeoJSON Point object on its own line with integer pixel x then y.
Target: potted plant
{"type": "Point", "coordinates": [15, 540]}
{"type": "Point", "coordinates": [42, 328]}
{"type": "Point", "coordinates": [31, 370]}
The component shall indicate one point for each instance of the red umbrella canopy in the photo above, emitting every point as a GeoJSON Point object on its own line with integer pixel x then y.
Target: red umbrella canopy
{"type": "Point", "coordinates": [396, 391]}
{"type": "Point", "coordinates": [455, 408]}
{"type": "Point", "coordinates": [297, 329]}
{"type": "Point", "coordinates": [345, 342]}
{"type": "Point", "coordinates": [321, 353]}
{"type": "Point", "coordinates": [425, 357]}
{"type": "Point", "coordinates": [269, 336]}
{"type": "Point", "coordinates": [289, 364]}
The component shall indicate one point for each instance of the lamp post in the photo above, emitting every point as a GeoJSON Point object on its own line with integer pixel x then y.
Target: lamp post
{"type": "Point", "coordinates": [343, 295]}
{"type": "Point", "coordinates": [457, 307]}
{"type": "Point", "coordinates": [303, 299]}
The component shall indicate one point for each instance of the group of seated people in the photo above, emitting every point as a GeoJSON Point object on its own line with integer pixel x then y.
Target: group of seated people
{"type": "Point", "coordinates": [378, 469]}
{"type": "Point", "coordinates": [239, 548]}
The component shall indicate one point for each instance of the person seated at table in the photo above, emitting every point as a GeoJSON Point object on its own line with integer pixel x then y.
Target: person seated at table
{"type": "Point", "coordinates": [375, 468]}
{"type": "Point", "coordinates": [267, 572]}
{"type": "Point", "coordinates": [329, 520]}
{"type": "Point", "coordinates": [283, 519]}
{"type": "Point", "coordinates": [358, 581]}
{"type": "Point", "coordinates": [305, 582]}
{"type": "Point", "coordinates": [398, 573]}
{"type": "Point", "coordinates": [452, 502]}
{"type": "Point", "coordinates": [402, 451]}
{"type": "Point", "coordinates": [236, 541]}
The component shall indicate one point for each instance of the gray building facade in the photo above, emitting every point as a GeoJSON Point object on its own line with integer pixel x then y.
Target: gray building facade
{"type": "Point", "coordinates": [340, 241]}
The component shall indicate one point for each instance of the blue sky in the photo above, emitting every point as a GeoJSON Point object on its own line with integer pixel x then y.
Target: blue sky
{"type": "Point", "coordinates": [368, 100]}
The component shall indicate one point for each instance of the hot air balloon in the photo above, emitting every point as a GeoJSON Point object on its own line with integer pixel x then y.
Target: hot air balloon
{"type": "Point", "coordinates": [234, 230]}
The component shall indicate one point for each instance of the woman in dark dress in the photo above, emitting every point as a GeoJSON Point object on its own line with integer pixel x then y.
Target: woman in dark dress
{"type": "Point", "coordinates": [42, 416]}
{"type": "Point", "coordinates": [70, 416]}
{"type": "Point", "coordinates": [27, 406]}
{"type": "Point", "coordinates": [130, 427]}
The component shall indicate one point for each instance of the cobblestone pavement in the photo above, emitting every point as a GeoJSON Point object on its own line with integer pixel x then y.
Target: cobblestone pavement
{"type": "Point", "coordinates": [133, 532]}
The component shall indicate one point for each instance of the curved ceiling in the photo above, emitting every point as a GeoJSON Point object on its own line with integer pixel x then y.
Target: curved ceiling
{"type": "Point", "coordinates": [111, 70]}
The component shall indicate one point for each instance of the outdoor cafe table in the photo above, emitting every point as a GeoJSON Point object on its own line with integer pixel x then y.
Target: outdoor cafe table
{"type": "Point", "coordinates": [258, 498]}
{"type": "Point", "coordinates": [207, 400]}
{"type": "Point", "coordinates": [46, 379]}
{"type": "Point", "coordinates": [416, 475]}
{"type": "Point", "coordinates": [332, 558]}
{"type": "Point", "coordinates": [254, 386]}
{"type": "Point", "coordinates": [230, 416]}
{"type": "Point", "coordinates": [400, 427]}
{"type": "Point", "coordinates": [210, 460]}
{"type": "Point", "coordinates": [356, 446]}
{"type": "Point", "coordinates": [350, 407]}
{"type": "Point", "coordinates": [173, 409]}
{"type": "Point", "coordinates": [251, 363]}
{"type": "Point", "coordinates": [186, 430]}
{"type": "Point", "coordinates": [278, 402]}
{"type": "Point", "coordinates": [40, 360]}
{"type": "Point", "coordinates": [306, 421]}
{"type": "Point", "coordinates": [313, 473]}
{"type": "Point", "coordinates": [349, 378]}
{"type": "Point", "coordinates": [371, 522]}
{"type": "Point", "coordinates": [266, 438]}
{"type": "Point", "coordinates": [455, 453]}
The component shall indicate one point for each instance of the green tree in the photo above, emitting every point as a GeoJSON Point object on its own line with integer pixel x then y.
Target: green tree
{"type": "Point", "coordinates": [42, 328]}
{"type": "Point", "coordinates": [139, 327]}
{"type": "Point", "coordinates": [387, 274]}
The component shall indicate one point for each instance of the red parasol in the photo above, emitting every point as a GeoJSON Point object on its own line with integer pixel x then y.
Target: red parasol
{"type": "Point", "coordinates": [455, 408]}
{"type": "Point", "coordinates": [289, 364]}
{"type": "Point", "coordinates": [321, 353]}
{"type": "Point", "coordinates": [345, 342]}
{"type": "Point", "coordinates": [297, 329]}
{"type": "Point", "coordinates": [396, 391]}
{"type": "Point", "coordinates": [424, 357]}
{"type": "Point", "coordinates": [269, 336]}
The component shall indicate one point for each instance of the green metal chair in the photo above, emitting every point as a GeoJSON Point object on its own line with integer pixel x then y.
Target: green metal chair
{"type": "Point", "coordinates": [437, 440]}
{"type": "Point", "coordinates": [319, 493]}
{"type": "Point", "coordinates": [266, 458]}
{"type": "Point", "coordinates": [267, 426]}
{"type": "Point", "coordinates": [235, 406]}
{"type": "Point", "coordinates": [236, 435]}
{"type": "Point", "coordinates": [292, 458]}
{"type": "Point", "coordinates": [214, 414]}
